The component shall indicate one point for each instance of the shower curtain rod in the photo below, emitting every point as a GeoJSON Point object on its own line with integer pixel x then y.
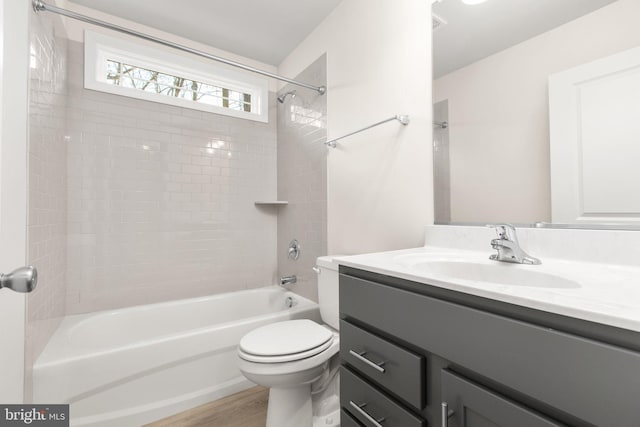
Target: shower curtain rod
{"type": "Point", "coordinates": [40, 5]}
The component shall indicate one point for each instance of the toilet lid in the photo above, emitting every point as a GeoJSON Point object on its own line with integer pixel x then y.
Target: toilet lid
{"type": "Point", "coordinates": [285, 338]}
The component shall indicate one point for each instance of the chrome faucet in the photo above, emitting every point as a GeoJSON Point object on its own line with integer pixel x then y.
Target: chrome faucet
{"type": "Point", "coordinates": [508, 248]}
{"type": "Point", "coordinates": [288, 280]}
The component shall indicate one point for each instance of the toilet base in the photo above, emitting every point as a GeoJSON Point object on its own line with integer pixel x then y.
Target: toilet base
{"type": "Point", "coordinates": [328, 420]}
{"type": "Point", "coordinates": [290, 407]}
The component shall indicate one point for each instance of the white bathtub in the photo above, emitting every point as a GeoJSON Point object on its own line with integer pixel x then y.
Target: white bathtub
{"type": "Point", "coordinates": [131, 366]}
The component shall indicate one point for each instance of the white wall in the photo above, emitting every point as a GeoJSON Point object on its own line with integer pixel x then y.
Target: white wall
{"type": "Point", "coordinates": [498, 115]}
{"type": "Point", "coordinates": [379, 185]}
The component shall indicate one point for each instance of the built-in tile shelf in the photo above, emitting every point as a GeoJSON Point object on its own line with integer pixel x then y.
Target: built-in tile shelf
{"type": "Point", "coordinates": [271, 203]}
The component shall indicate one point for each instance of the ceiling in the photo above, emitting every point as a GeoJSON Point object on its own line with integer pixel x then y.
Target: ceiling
{"type": "Point", "coordinates": [475, 32]}
{"type": "Point", "coordinates": [266, 31]}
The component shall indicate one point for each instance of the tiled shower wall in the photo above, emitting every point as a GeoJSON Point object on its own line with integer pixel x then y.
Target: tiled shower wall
{"type": "Point", "coordinates": [302, 178]}
{"type": "Point", "coordinates": [47, 220]}
{"type": "Point", "coordinates": [161, 200]}
{"type": "Point", "coordinates": [441, 164]}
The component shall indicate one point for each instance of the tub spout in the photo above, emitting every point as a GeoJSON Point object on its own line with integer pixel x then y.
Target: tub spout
{"type": "Point", "coordinates": [288, 280]}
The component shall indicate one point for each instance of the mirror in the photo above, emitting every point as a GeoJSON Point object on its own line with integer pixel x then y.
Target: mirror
{"type": "Point", "coordinates": [537, 112]}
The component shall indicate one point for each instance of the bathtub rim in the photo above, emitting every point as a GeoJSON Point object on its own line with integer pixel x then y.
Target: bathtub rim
{"type": "Point", "coordinates": [67, 353]}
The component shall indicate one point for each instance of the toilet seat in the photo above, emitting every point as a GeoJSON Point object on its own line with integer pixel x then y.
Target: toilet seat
{"type": "Point", "coordinates": [286, 341]}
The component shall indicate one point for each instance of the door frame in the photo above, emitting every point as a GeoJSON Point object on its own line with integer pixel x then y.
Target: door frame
{"type": "Point", "coordinates": [14, 78]}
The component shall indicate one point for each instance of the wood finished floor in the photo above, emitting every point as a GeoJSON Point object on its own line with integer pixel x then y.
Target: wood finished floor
{"type": "Point", "coordinates": [245, 409]}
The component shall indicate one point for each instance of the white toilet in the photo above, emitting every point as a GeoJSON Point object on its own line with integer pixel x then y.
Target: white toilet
{"type": "Point", "coordinates": [290, 356]}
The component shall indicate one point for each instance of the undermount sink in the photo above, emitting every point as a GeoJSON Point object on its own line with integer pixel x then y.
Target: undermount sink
{"type": "Point", "coordinates": [498, 273]}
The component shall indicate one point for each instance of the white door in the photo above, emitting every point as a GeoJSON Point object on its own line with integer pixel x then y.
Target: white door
{"type": "Point", "coordinates": [13, 191]}
{"type": "Point", "coordinates": [594, 112]}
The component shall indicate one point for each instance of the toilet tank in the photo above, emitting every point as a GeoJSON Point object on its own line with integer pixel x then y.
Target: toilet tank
{"type": "Point", "coordinates": [328, 290]}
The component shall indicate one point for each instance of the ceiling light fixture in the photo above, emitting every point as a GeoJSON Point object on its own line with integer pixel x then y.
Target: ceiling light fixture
{"type": "Point", "coordinates": [472, 2]}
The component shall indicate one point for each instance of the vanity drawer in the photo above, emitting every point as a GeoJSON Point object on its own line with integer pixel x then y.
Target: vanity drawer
{"type": "Point", "coordinates": [369, 405]}
{"type": "Point", "coordinates": [400, 371]}
{"type": "Point", "coordinates": [546, 365]}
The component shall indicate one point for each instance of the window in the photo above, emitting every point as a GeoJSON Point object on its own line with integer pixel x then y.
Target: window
{"type": "Point", "coordinates": [131, 76]}
{"type": "Point", "coordinates": [116, 66]}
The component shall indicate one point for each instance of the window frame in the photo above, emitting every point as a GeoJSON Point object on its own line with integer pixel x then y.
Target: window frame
{"type": "Point", "coordinates": [98, 48]}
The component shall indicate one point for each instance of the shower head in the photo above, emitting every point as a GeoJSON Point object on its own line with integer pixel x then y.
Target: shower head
{"type": "Point", "coordinates": [282, 97]}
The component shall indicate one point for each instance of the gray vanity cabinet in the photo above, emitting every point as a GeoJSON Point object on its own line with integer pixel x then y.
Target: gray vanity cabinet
{"type": "Point", "coordinates": [412, 347]}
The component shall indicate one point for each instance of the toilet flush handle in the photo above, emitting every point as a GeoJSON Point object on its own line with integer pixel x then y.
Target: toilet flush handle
{"type": "Point", "coordinates": [316, 270]}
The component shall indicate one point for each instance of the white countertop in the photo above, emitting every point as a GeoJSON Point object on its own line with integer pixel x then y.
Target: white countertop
{"type": "Point", "coordinates": [606, 293]}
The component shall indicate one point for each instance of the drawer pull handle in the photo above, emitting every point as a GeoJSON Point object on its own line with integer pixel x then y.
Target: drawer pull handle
{"type": "Point", "coordinates": [375, 422]}
{"type": "Point", "coordinates": [360, 356]}
{"type": "Point", "coordinates": [446, 414]}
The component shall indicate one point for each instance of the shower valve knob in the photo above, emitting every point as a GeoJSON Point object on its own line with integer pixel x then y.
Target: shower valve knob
{"type": "Point", "coordinates": [24, 279]}
{"type": "Point", "coordinates": [293, 252]}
